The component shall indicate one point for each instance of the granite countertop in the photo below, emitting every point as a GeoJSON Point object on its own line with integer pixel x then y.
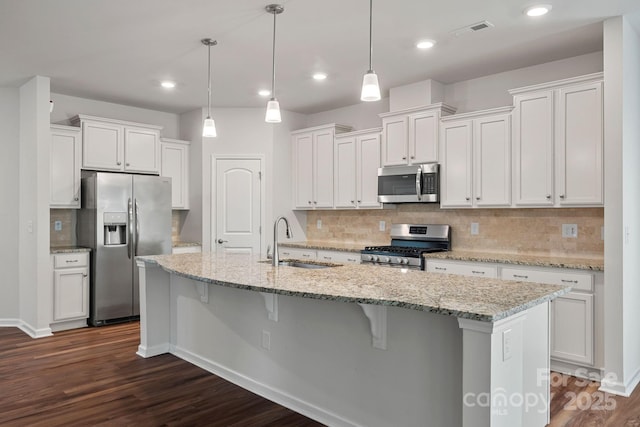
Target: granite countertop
{"type": "Point", "coordinates": [593, 264]}
{"type": "Point", "coordinates": [460, 296]}
{"type": "Point", "coordinates": [185, 244]}
{"type": "Point", "coordinates": [68, 249]}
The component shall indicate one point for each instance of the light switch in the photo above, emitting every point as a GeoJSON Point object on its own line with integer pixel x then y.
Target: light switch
{"type": "Point", "coordinates": [506, 345]}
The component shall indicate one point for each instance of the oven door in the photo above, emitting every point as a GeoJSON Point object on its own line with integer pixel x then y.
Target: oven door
{"type": "Point", "coordinates": [408, 184]}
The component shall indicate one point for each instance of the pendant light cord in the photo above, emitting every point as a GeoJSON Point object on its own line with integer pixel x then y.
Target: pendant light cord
{"type": "Point", "coordinates": [209, 76]}
{"type": "Point", "coordinates": [370, 35]}
{"type": "Point", "coordinates": [273, 61]}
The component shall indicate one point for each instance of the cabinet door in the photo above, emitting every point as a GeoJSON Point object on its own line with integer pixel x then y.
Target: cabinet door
{"type": "Point", "coordinates": [533, 149]}
{"type": "Point", "coordinates": [455, 166]}
{"type": "Point", "coordinates": [394, 140]}
{"type": "Point", "coordinates": [572, 328]}
{"type": "Point", "coordinates": [323, 169]}
{"type": "Point", "coordinates": [65, 169]}
{"type": "Point", "coordinates": [303, 170]}
{"type": "Point", "coordinates": [70, 294]}
{"type": "Point", "coordinates": [579, 145]}
{"type": "Point", "coordinates": [142, 150]}
{"type": "Point", "coordinates": [174, 164]}
{"type": "Point", "coordinates": [368, 162]}
{"type": "Point", "coordinates": [345, 173]}
{"type": "Point", "coordinates": [102, 146]}
{"type": "Point", "coordinates": [339, 257]}
{"type": "Point", "coordinates": [423, 137]}
{"type": "Point", "coordinates": [492, 161]}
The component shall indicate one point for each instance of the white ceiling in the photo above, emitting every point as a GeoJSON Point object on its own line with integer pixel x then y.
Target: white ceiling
{"type": "Point", "coordinates": [120, 50]}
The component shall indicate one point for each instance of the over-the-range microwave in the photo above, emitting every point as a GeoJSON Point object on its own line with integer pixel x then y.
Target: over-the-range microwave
{"type": "Point", "coordinates": [418, 183]}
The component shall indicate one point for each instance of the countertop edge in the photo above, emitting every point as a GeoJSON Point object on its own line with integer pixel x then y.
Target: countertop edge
{"type": "Point", "coordinates": [68, 250]}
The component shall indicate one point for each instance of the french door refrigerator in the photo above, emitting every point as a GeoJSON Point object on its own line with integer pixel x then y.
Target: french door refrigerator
{"type": "Point", "coordinates": [122, 216]}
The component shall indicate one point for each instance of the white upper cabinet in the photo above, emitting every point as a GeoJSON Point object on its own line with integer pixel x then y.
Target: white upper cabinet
{"type": "Point", "coordinates": [175, 165]}
{"type": "Point", "coordinates": [313, 169]}
{"type": "Point", "coordinates": [475, 159]}
{"type": "Point", "coordinates": [116, 145]}
{"type": "Point", "coordinates": [411, 136]}
{"type": "Point", "coordinates": [357, 159]}
{"type": "Point", "coordinates": [65, 167]}
{"type": "Point", "coordinates": [558, 143]}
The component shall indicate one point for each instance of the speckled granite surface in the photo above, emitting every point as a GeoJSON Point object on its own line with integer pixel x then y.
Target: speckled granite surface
{"type": "Point", "coordinates": [530, 260]}
{"type": "Point", "coordinates": [467, 297]}
{"type": "Point", "coordinates": [185, 244]}
{"type": "Point", "coordinates": [594, 264]}
{"type": "Point", "coordinates": [68, 249]}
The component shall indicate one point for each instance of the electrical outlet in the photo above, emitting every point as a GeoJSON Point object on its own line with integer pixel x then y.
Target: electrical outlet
{"type": "Point", "coordinates": [506, 345]}
{"type": "Point", "coordinates": [319, 224]}
{"type": "Point", "coordinates": [57, 225]}
{"type": "Point", "coordinates": [266, 340]}
{"type": "Point", "coordinates": [475, 228]}
{"type": "Point", "coordinates": [382, 225]}
{"type": "Point", "coordinates": [30, 226]}
{"type": "Point", "coordinates": [570, 230]}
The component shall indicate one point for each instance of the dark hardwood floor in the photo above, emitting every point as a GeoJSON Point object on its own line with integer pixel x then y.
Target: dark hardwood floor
{"type": "Point", "coordinates": [92, 376]}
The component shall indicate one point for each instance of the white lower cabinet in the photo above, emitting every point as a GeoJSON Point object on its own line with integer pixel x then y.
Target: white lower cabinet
{"type": "Point", "coordinates": [174, 164]}
{"type": "Point", "coordinates": [65, 167]}
{"type": "Point", "coordinates": [339, 257]}
{"type": "Point", "coordinates": [290, 253]}
{"type": "Point", "coordinates": [475, 269]}
{"type": "Point", "coordinates": [70, 290]}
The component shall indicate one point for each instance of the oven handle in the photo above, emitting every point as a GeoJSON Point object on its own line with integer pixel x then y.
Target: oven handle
{"type": "Point", "coordinates": [419, 183]}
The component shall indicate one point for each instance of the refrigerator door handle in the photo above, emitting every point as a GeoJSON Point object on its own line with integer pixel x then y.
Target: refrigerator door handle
{"type": "Point", "coordinates": [135, 252]}
{"type": "Point", "coordinates": [129, 225]}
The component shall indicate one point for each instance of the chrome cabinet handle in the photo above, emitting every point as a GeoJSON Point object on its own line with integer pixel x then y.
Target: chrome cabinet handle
{"type": "Point", "coordinates": [118, 163]}
{"type": "Point", "coordinates": [71, 260]}
{"type": "Point", "coordinates": [440, 268]}
{"type": "Point", "coordinates": [327, 258]}
{"type": "Point", "coordinates": [562, 196]}
{"type": "Point", "coordinates": [359, 201]}
{"type": "Point", "coordinates": [413, 157]}
{"type": "Point", "coordinates": [404, 158]}
{"type": "Point", "coordinates": [84, 275]}
{"type": "Point", "coordinates": [222, 241]}
{"type": "Point", "coordinates": [568, 281]}
{"type": "Point", "coordinates": [477, 272]}
{"type": "Point", "coordinates": [520, 277]}
{"type": "Point", "coordinates": [477, 198]}
{"type": "Point", "coordinates": [76, 199]}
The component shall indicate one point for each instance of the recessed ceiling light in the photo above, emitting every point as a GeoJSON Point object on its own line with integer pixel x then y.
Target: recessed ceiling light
{"type": "Point", "coordinates": [319, 76]}
{"type": "Point", "coordinates": [538, 10]}
{"type": "Point", "coordinates": [425, 44]}
{"type": "Point", "coordinates": [264, 92]}
{"type": "Point", "coordinates": [168, 84]}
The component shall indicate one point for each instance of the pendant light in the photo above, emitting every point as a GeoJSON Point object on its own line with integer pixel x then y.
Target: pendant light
{"type": "Point", "coordinates": [370, 87]}
{"type": "Point", "coordinates": [273, 107]}
{"type": "Point", "coordinates": [209, 127]}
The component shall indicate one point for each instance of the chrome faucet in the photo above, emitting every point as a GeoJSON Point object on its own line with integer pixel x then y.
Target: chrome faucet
{"type": "Point", "coordinates": [276, 258]}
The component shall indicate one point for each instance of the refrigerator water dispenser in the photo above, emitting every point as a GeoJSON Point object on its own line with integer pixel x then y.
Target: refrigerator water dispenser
{"type": "Point", "coordinates": [115, 228]}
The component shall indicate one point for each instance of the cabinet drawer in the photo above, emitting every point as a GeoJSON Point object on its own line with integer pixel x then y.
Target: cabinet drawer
{"type": "Point", "coordinates": [341, 257]}
{"type": "Point", "coordinates": [71, 260]}
{"type": "Point", "coordinates": [577, 281]}
{"type": "Point", "coordinates": [286, 253]}
{"type": "Point", "coordinates": [463, 269]}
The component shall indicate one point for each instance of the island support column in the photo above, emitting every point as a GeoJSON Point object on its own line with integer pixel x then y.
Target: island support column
{"type": "Point", "coordinates": [155, 313]}
{"type": "Point", "coordinates": [505, 373]}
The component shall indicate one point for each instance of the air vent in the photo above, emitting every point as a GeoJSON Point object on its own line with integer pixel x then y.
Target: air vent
{"type": "Point", "coordinates": [478, 26]}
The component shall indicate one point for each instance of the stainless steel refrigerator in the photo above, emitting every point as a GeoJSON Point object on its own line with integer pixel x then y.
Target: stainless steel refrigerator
{"type": "Point", "coordinates": [122, 215]}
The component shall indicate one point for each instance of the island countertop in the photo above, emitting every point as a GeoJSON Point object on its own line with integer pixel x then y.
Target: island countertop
{"type": "Point", "coordinates": [475, 298]}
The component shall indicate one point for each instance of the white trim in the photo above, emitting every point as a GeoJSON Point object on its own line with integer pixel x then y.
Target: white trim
{"type": "Point", "coordinates": [213, 226]}
{"type": "Point", "coordinates": [26, 328]}
{"type": "Point", "coordinates": [557, 83]}
{"type": "Point", "coordinates": [338, 128]}
{"type": "Point", "coordinates": [278, 396]}
{"type": "Point", "coordinates": [576, 370]}
{"type": "Point", "coordinates": [82, 117]}
{"type": "Point", "coordinates": [439, 106]}
{"type": "Point", "coordinates": [618, 388]}
{"type": "Point", "coordinates": [358, 133]}
{"type": "Point", "coordinates": [154, 350]}
{"type": "Point", "coordinates": [478, 114]}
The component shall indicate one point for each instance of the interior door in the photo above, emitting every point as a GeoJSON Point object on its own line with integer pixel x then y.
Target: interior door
{"type": "Point", "coordinates": [238, 205]}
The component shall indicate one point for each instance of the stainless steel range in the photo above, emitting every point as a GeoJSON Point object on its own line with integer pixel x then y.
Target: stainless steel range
{"type": "Point", "coordinates": [408, 243]}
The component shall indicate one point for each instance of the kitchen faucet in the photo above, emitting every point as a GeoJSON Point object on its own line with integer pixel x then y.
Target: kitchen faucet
{"type": "Point", "coordinates": [276, 258]}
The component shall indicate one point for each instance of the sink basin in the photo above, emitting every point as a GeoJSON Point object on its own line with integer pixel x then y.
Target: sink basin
{"type": "Point", "coordinates": [302, 264]}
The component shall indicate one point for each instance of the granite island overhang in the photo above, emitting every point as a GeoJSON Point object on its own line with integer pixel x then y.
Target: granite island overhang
{"type": "Point", "coordinates": [488, 338]}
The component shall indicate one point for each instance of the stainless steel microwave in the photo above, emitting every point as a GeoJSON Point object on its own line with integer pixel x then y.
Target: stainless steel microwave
{"type": "Point", "coordinates": [409, 184]}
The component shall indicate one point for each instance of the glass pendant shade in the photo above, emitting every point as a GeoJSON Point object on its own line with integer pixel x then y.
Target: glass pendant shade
{"type": "Point", "coordinates": [370, 87]}
{"type": "Point", "coordinates": [209, 128]}
{"type": "Point", "coordinates": [273, 112]}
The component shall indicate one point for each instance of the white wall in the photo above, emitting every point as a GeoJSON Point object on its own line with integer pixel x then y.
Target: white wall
{"type": "Point", "coordinates": [359, 116]}
{"type": "Point", "coordinates": [191, 130]}
{"type": "Point", "coordinates": [35, 277]}
{"type": "Point", "coordinates": [9, 199]}
{"type": "Point", "coordinates": [65, 107]}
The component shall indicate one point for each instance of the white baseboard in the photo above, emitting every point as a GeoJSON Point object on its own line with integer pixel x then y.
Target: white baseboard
{"type": "Point", "coordinates": [26, 328]}
{"type": "Point", "coordinates": [278, 396]}
{"type": "Point", "coordinates": [589, 373]}
{"type": "Point", "coordinates": [71, 324]}
{"type": "Point", "coordinates": [144, 351]}
{"type": "Point", "coordinates": [619, 388]}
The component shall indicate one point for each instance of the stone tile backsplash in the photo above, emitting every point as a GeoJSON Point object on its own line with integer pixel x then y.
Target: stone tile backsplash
{"type": "Point", "coordinates": [520, 231]}
{"type": "Point", "coordinates": [66, 236]}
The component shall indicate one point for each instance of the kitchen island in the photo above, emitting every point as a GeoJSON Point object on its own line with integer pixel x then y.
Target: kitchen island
{"type": "Point", "coordinates": [355, 345]}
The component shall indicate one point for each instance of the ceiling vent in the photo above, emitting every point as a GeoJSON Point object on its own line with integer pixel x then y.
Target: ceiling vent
{"type": "Point", "coordinates": [478, 26]}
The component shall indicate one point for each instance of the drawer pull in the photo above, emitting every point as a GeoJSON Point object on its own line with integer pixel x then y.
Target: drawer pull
{"type": "Point", "coordinates": [441, 268]}
{"type": "Point", "coordinates": [568, 281]}
{"type": "Point", "coordinates": [351, 259]}
{"type": "Point", "coordinates": [477, 272]}
{"type": "Point", "coordinates": [71, 261]}
{"type": "Point", "coordinates": [520, 276]}
{"type": "Point", "coordinates": [306, 256]}
{"type": "Point", "coordinates": [327, 258]}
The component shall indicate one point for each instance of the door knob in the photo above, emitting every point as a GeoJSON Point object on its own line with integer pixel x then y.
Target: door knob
{"type": "Point", "coordinates": [222, 241]}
